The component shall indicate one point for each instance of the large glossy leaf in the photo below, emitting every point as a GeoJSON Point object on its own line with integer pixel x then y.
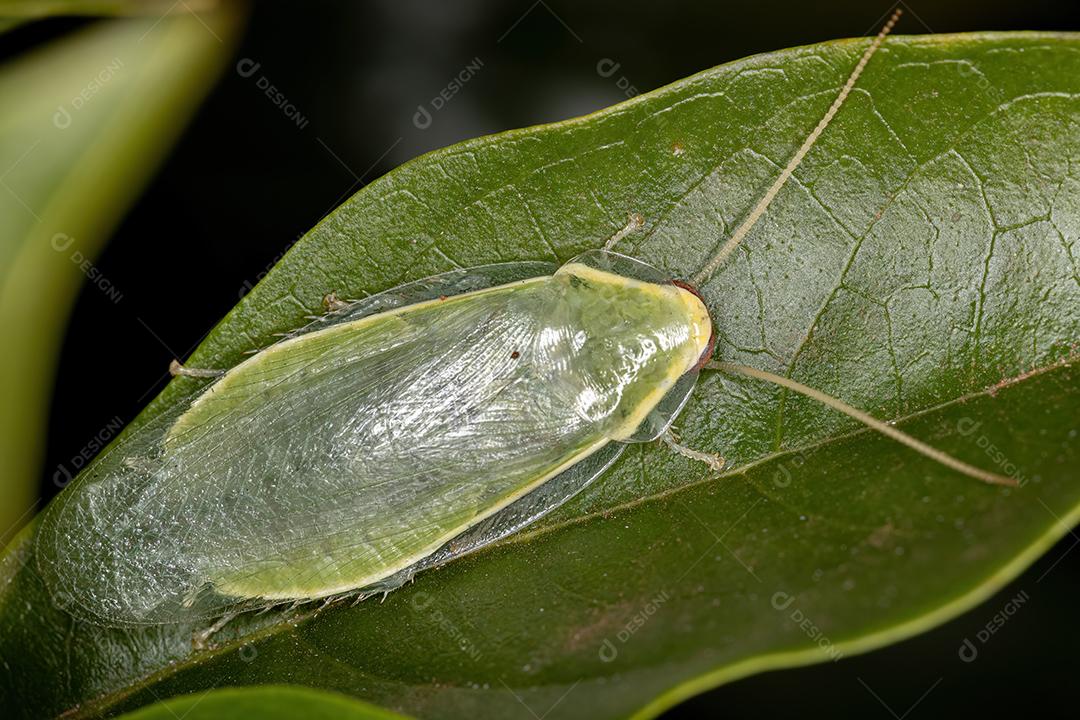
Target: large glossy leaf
{"type": "Point", "coordinates": [84, 121]}
{"type": "Point", "coordinates": [921, 265]}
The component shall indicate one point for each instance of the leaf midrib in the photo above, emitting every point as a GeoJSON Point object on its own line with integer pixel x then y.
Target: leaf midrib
{"type": "Point", "coordinates": [802, 449]}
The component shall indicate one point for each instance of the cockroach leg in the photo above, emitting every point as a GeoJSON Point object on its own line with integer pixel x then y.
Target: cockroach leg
{"type": "Point", "coordinates": [332, 303]}
{"type": "Point", "coordinates": [199, 639]}
{"type": "Point", "coordinates": [633, 222]}
{"type": "Point", "coordinates": [176, 369]}
{"type": "Point", "coordinates": [714, 461]}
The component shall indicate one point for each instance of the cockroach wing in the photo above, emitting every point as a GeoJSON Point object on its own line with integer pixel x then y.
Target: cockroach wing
{"type": "Point", "coordinates": [343, 456]}
{"type": "Point", "coordinates": [514, 517]}
{"type": "Point", "coordinates": [447, 284]}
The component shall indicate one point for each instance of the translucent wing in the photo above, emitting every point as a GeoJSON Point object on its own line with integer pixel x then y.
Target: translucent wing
{"type": "Point", "coordinates": [447, 284]}
{"type": "Point", "coordinates": [368, 446]}
{"type": "Point", "coordinates": [325, 463]}
{"type": "Point", "coordinates": [514, 517]}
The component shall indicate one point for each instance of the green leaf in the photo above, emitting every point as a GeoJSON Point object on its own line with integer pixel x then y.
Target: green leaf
{"type": "Point", "coordinates": [269, 702]}
{"type": "Point", "coordinates": [34, 9]}
{"type": "Point", "coordinates": [921, 266]}
{"type": "Point", "coordinates": [14, 13]}
{"type": "Point", "coordinates": [85, 121]}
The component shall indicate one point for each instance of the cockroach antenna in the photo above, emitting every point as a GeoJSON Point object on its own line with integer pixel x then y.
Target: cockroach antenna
{"type": "Point", "coordinates": [868, 420]}
{"type": "Point", "coordinates": [718, 259]}
{"type": "Point", "coordinates": [707, 271]}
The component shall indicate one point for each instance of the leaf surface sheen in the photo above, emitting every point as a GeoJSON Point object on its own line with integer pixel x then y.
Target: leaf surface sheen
{"type": "Point", "coordinates": [921, 265]}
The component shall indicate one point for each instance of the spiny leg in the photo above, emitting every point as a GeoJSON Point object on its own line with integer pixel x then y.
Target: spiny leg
{"type": "Point", "coordinates": [176, 369]}
{"type": "Point", "coordinates": [713, 460]}
{"type": "Point", "coordinates": [717, 260]}
{"type": "Point", "coordinates": [866, 419]}
{"type": "Point", "coordinates": [634, 221]}
{"type": "Point", "coordinates": [199, 640]}
{"type": "Point", "coordinates": [332, 303]}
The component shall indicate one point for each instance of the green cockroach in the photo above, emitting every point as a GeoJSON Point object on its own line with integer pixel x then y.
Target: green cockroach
{"type": "Point", "coordinates": [396, 433]}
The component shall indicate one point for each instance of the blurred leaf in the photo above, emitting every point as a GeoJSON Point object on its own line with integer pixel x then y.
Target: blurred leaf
{"type": "Point", "coordinates": [269, 702]}
{"type": "Point", "coordinates": [922, 266]}
{"type": "Point", "coordinates": [34, 9]}
{"type": "Point", "coordinates": [84, 122]}
{"type": "Point", "coordinates": [16, 12]}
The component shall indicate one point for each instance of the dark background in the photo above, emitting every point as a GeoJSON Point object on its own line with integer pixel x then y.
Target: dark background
{"type": "Point", "coordinates": [246, 181]}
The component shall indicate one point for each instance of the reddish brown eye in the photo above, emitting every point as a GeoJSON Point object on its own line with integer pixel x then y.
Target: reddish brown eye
{"type": "Point", "coordinates": [689, 288]}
